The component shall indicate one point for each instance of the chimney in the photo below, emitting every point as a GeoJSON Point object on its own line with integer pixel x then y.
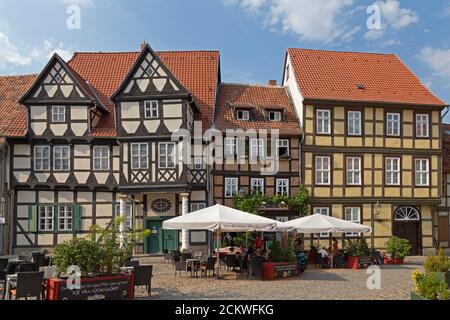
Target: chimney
{"type": "Point", "coordinates": [272, 83]}
{"type": "Point", "coordinates": [143, 44]}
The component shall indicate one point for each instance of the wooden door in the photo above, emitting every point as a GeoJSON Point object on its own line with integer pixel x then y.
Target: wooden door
{"type": "Point", "coordinates": [411, 231]}
{"type": "Point", "coordinates": [443, 229]}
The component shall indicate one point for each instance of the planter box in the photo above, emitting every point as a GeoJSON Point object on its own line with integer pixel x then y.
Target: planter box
{"type": "Point", "coordinates": [354, 262]}
{"type": "Point", "coordinates": [281, 270]}
{"type": "Point", "coordinates": [416, 296]}
{"type": "Point", "coordinates": [443, 276]}
{"type": "Point", "coordinates": [119, 287]}
{"type": "Point", "coordinates": [395, 261]}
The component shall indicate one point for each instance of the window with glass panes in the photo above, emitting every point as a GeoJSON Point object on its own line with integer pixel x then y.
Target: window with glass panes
{"type": "Point", "coordinates": [422, 172]}
{"type": "Point", "coordinates": [323, 118]}
{"type": "Point", "coordinates": [274, 116]}
{"type": "Point", "coordinates": [354, 170]}
{"type": "Point", "coordinates": [129, 221]}
{"type": "Point", "coordinates": [422, 125]}
{"type": "Point", "coordinates": [393, 171]}
{"type": "Point", "coordinates": [322, 171]}
{"type": "Point", "coordinates": [354, 127]}
{"type": "Point", "coordinates": [242, 115]}
{"type": "Point", "coordinates": [326, 212]}
{"type": "Point", "coordinates": [197, 206]}
{"type": "Point", "coordinates": [167, 155]}
{"type": "Point", "coordinates": [283, 147]}
{"type": "Point", "coordinates": [354, 215]}
{"type": "Point", "coordinates": [231, 187]}
{"type": "Point", "coordinates": [139, 156]}
{"type": "Point", "coordinates": [41, 158]}
{"type": "Point", "coordinates": [393, 124]}
{"type": "Point", "coordinates": [151, 109]}
{"type": "Point", "coordinates": [257, 185]}
{"type": "Point", "coordinates": [58, 114]}
{"type": "Point", "coordinates": [61, 158]}
{"type": "Point", "coordinates": [282, 187]}
{"type": "Point", "coordinates": [101, 158]}
{"type": "Point", "coordinates": [46, 218]}
{"type": "Point", "coordinates": [65, 218]}
{"type": "Point", "coordinates": [230, 147]}
{"type": "Point", "coordinates": [256, 148]}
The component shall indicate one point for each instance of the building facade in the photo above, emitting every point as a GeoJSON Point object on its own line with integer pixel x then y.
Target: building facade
{"type": "Point", "coordinates": [441, 222]}
{"type": "Point", "coordinates": [372, 151]}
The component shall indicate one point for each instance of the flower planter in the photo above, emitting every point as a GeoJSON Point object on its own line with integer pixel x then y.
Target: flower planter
{"type": "Point", "coordinates": [280, 270]}
{"type": "Point", "coordinates": [394, 261]}
{"type": "Point", "coordinates": [353, 262]}
{"type": "Point", "coordinates": [416, 296]}
{"type": "Point", "coordinates": [119, 287]}
{"type": "Point", "coordinates": [443, 276]}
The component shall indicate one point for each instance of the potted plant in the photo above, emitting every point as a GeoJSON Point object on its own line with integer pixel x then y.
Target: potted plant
{"type": "Point", "coordinates": [98, 260]}
{"type": "Point", "coordinates": [398, 249]}
{"type": "Point", "coordinates": [282, 261]}
{"type": "Point", "coordinates": [439, 264]}
{"type": "Point", "coordinates": [356, 250]}
{"type": "Point", "coordinates": [428, 287]}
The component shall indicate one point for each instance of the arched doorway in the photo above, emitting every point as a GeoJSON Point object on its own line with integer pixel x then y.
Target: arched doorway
{"type": "Point", "coordinates": [406, 225]}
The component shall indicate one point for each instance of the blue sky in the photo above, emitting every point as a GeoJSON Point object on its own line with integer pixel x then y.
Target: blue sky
{"type": "Point", "coordinates": [252, 35]}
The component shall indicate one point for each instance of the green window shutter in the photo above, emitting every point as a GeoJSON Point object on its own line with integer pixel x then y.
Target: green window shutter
{"type": "Point", "coordinates": [76, 211]}
{"type": "Point", "coordinates": [32, 218]}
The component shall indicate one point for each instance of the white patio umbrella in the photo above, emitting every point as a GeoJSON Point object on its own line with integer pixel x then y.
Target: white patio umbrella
{"type": "Point", "coordinates": [319, 223]}
{"type": "Point", "coordinates": [219, 219]}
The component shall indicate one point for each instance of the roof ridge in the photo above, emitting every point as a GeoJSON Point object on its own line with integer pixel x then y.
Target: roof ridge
{"type": "Point", "coordinates": [251, 85]}
{"type": "Point", "coordinates": [351, 51]}
{"type": "Point", "coordinates": [128, 52]}
{"type": "Point", "coordinates": [19, 75]}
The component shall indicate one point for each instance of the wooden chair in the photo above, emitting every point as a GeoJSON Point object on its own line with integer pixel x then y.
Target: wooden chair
{"type": "Point", "coordinates": [29, 285]}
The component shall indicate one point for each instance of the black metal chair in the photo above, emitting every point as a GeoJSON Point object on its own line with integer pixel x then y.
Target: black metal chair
{"type": "Point", "coordinates": [38, 258]}
{"type": "Point", "coordinates": [176, 256]}
{"type": "Point", "coordinates": [3, 265]}
{"type": "Point", "coordinates": [131, 263]}
{"type": "Point", "coordinates": [25, 258]}
{"type": "Point", "coordinates": [185, 256]}
{"type": "Point", "coordinates": [28, 285]}
{"type": "Point", "coordinates": [28, 267]}
{"type": "Point", "coordinates": [256, 267]}
{"type": "Point", "coordinates": [11, 267]}
{"type": "Point", "coordinates": [168, 257]}
{"type": "Point", "coordinates": [208, 266]}
{"type": "Point", "coordinates": [143, 277]}
{"type": "Point", "coordinates": [179, 267]}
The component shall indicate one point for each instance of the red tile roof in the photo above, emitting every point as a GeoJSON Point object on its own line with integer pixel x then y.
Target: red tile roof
{"type": "Point", "coordinates": [196, 70]}
{"type": "Point", "coordinates": [259, 99]}
{"type": "Point", "coordinates": [13, 115]}
{"type": "Point", "coordinates": [331, 75]}
{"type": "Point", "coordinates": [446, 148]}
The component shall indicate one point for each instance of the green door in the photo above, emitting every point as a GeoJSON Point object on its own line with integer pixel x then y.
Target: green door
{"type": "Point", "coordinates": [170, 240]}
{"type": "Point", "coordinates": [154, 241]}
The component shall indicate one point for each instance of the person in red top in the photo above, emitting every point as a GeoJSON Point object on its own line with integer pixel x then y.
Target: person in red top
{"type": "Point", "coordinates": [258, 242]}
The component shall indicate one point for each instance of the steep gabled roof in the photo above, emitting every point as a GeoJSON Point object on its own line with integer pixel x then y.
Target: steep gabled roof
{"type": "Point", "coordinates": [258, 99]}
{"type": "Point", "coordinates": [13, 115]}
{"type": "Point", "coordinates": [335, 76]}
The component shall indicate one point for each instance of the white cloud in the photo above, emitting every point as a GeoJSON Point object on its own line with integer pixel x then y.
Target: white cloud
{"type": "Point", "coordinates": [84, 3]}
{"type": "Point", "coordinates": [392, 16]}
{"type": "Point", "coordinates": [10, 55]}
{"type": "Point", "coordinates": [48, 49]}
{"type": "Point", "coordinates": [251, 5]}
{"type": "Point", "coordinates": [438, 60]}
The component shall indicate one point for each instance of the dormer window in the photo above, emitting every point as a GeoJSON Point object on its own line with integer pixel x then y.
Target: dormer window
{"type": "Point", "coordinates": [243, 115]}
{"type": "Point", "coordinates": [58, 114]}
{"type": "Point", "coordinates": [151, 109]}
{"type": "Point", "coordinates": [274, 115]}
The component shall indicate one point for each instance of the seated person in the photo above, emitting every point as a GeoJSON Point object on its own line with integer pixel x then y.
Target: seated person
{"type": "Point", "coordinates": [259, 255]}
{"type": "Point", "coordinates": [325, 256]}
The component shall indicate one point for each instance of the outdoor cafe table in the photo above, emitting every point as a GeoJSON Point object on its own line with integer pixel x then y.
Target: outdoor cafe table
{"type": "Point", "coordinates": [192, 263]}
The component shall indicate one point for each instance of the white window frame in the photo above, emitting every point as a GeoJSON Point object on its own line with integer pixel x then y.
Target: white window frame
{"type": "Point", "coordinates": [257, 183]}
{"type": "Point", "coordinates": [282, 187]}
{"type": "Point", "coordinates": [353, 171]}
{"type": "Point", "coordinates": [393, 124]}
{"type": "Point", "coordinates": [63, 159]}
{"type": "Point", "coordinates": [46, 218]}
{"type": "Point", "coordinates": [41, 160]}
{"type": "Point", "coordinates": [422, 172]}
{"type": "Point", "coordinates": [198, 163]}
{"type": "Point", "coordinates": [142, 159]}
{"type": "Point", "coordinates": [283, 143]}
{"type": "Point", "coordinates": [348, 216]}
{"type": "Point", "coordinates": [129, 215]}
{"type": "Point", "coordinates": [169, 163]}
{"type": "Point", "coordinates": [231, 187]}
{"type": "Point", "coordinates": [390, 172]}
{"type": "Point", "coordinates": [322, 172]}
{"type": "Point", "coordinates": [326, 212]}
{"type": "Point", "coordinates": [230, 147]}
{"type": "Point", "coordinates": [98, 160]}
{"type": "Point", "coordinates": [275, 116]}
{"type": "Point", "coordinates": [65, 218]}
{"type": "Point", "coordinates": [197, 206]}
{"type": "Point", "coordinates": [243, 115]}
{"type": "Point", "coordinates": [354, 121]}
{"type": "Point", "coordinates": [58, 114]}
{"type": "Point", "coordinates": [323, 121]}
{"type": "Point", "coordinates": [257, 149]}
{"type": "Point", "coordinates": [152, 107]}
{"type": "Point", "coordinates": [422, 125]}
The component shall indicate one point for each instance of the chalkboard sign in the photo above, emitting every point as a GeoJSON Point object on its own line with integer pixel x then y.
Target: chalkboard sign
{"type": "Point", "coordinates": [102, 288]}
{"type": "Point", "coordinates": [285, 271]}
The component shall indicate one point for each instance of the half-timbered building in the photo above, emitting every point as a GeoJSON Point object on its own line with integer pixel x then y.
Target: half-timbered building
{"type": "Point", "coordinates": [97, 139]}
{"type": "Point", "coordinates": [372, 149]}
{"type": "Point", "coordinates": [441, 216]}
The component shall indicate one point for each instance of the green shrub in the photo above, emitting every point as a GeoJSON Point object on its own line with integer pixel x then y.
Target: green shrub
{"type": "Point", "coordinates": [437, 263]}
{"type": "Point", "coordinates": [429, 287]}
{"type": "Point", "coordinates": [83, 253]}
{"type": "Point", "coordinates": [357, 247]}
{"type": "Point", "coordinates": [280, 253]}
{"type": "Point", "coordinates": [398, 247]}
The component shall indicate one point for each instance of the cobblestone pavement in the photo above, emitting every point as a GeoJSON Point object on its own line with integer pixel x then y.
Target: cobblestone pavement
{"type": "Point", "coordinates": [329, 284]}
